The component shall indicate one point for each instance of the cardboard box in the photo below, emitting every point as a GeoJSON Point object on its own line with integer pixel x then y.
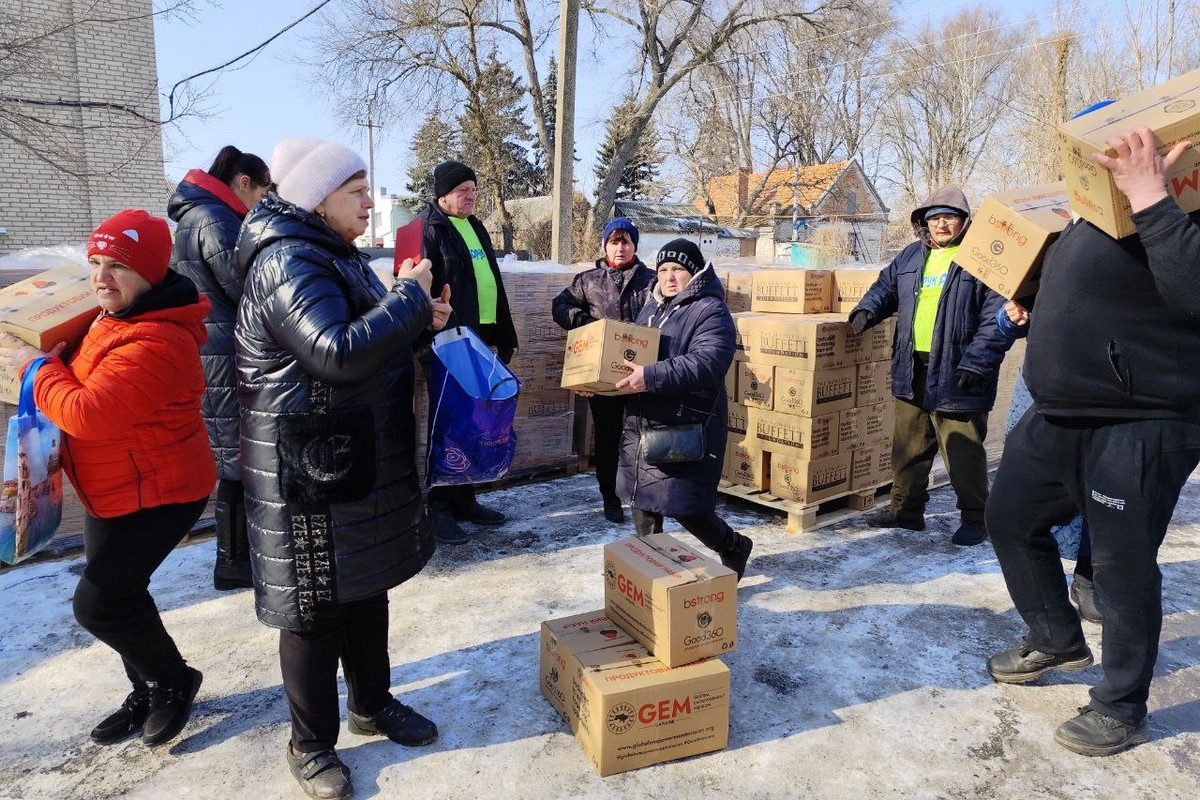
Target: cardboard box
{"type": "Point", "coordinates": [596, 354]}
{"type": "Point", "coordinates": [635, 715]}
{"type": "Point", "coordinates": [797, 341]}
{"type": "Point", "coordinates": [678, 602]}
{"type": "Point", "coordinates": [792, 291]}
{"type": "Point", "coordinates": [563, 642]}
{"type": "Point", "coordinates": [739, 419]}
{"type": "Point", "coordinates": [756, 384]}
{"type": "Point", "coordinates": [1009, 235]}
{"type": "Point", "coordinates": [731, 383]}
{"type": "Point", "coordinates": [810, 480]}
{"type": "Point", "coordinates": [873, 344]}
{"type": "Point", "coordinates": [866, 426]}
{"type": "Point", "coordinates": [47, 308]}
{"type": "Point", "coordinates": [739, 289]}
{"type": "Point", "coordinates": [747, 465]}
{"type": "Point", "coordinates": [849, 286]}
{"type": "Point", "coordinates": [874, 383]}
{"type": "Point", "coordinates": [811, 394]}
{"type": "Point", "coordinates": [1172, 111]}
{"type": "Point", "coordinates": [796, 437]}
{"type": "Point", "coordinates": [871, 467]}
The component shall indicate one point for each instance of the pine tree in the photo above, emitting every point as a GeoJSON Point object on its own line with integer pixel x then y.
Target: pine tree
{"type": "Point", "coordinates": [639, 178]}
{"type": "Point", "coordinates": [541, 158]}
{"type": "Point", "coordinates": [434, 142]}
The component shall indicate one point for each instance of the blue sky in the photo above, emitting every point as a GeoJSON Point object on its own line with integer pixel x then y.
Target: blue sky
{"type": "Point", "coordinates": [268, 98]}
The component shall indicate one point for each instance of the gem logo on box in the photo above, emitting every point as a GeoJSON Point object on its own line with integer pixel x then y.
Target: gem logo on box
{"type": "Point", "coordinates": [664, 710]}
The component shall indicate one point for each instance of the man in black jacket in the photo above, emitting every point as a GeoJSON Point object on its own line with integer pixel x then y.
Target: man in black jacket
{"type": "Point", "coordinates": [1113, 364]}
{"type": "Point", "coordinates": [458, 246]}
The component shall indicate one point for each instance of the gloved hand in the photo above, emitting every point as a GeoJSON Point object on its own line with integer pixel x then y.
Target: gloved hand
{"type": "Point", "coordinates": [860, 320]}
{"type": "Point", "coordinates": [967, 381]}
{"type": "Point", "coordinates": [504, 353]}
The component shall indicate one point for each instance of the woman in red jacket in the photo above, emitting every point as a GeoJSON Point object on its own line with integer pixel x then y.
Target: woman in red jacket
{"type": "Point", "coordinates": [135, 448]}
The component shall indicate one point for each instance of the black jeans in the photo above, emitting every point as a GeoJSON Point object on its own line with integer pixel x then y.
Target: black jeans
{"type": "Point", "coordinates": [608, 421]}
{"type": "Point", "coordinates": [355, 633]}
{"type": "Point", "coordinates": [112, 600]}
{"type": "Point", "coordinates": [713, 532]}
{"type": "Point", "coordinates": [1126, 477]}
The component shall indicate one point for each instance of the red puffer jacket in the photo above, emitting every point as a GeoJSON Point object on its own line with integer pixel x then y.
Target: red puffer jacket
{"type": "Point", "coordinates": [128, 404]}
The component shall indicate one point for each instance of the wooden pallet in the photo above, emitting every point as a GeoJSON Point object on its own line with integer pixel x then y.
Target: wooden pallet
{"type": "Point", "coordinates": [802, 518]}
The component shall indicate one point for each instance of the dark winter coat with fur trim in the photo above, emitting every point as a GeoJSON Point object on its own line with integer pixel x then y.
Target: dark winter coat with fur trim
{"type": "Point", "coordinates": [686, 384]}
{"type": "Point", "coordinates": [328, 440]}
{"type": "Point", "coordinates": [210, 215]}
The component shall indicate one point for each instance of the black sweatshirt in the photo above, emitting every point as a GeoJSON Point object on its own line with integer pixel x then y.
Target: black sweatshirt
{"type": "Point", "coordinates": [1117, 327]}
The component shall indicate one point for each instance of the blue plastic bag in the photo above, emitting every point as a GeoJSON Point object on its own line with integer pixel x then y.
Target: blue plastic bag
{"type": "Point", "coordinates": [472, 404]}
{"type": "Point", "coordinates": [32, 498]}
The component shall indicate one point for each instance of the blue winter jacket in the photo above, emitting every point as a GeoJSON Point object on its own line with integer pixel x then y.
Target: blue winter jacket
{"type": "Point", "coordinates": [965, 333]}
{"type": "Point", "coordinates": [686, 384]}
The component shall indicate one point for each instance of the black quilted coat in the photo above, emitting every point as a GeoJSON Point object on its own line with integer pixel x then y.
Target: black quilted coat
{"type": "Point", "coordinates": [204, 240]}
{"type": "Point", "coordinates": [687, 384]}
{"type": "Point", "coordinates": [604, 293]}
{"type": "Point", "coordinates": [328, 445]}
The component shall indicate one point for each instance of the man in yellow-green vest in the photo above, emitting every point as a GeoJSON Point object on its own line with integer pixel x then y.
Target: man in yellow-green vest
{"type": "Point", "coordinates": [945, 363]}
{"type": "Point", "coordinates": [461, 252]}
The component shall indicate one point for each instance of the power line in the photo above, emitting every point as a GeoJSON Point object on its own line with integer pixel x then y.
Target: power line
{"type": "Point", "coordinates": [234, 60]}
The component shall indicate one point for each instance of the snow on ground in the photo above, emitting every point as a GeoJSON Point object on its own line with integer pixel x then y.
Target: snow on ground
{"type": "Point", "coordinates": [859, 673]}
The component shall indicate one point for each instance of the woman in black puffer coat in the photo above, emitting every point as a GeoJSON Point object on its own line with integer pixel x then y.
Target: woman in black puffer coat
{"type": "Point", "coordinates": [328, 443]}
{"type": "Point", "coordinates": [209, 208]}
{"type": "Point", "coordinates": [686, 385]}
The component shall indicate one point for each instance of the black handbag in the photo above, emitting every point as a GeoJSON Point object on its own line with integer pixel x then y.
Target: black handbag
{"type": "Point", "coordinates": [672, 444]}
{"type": "Point", "coordinates": [684, 443]}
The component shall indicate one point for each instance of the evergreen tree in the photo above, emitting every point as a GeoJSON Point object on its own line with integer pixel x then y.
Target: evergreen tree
{"type": "Point", "coordinates": [639, 178]}
{"type": "Point", "coordinates": [434, 142]}
{"type": "Point", "coordinates": [541, 159]}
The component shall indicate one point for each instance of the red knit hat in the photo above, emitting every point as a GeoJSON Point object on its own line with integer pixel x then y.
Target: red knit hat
{"type": "Point", "coordinates": [138, 240]}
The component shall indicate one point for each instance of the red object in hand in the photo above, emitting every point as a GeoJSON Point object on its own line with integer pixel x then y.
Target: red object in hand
{"type": "Point", "coordinates": [409, 239]}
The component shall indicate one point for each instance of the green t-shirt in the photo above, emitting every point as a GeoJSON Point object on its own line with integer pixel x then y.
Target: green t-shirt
{"type": "Point", "coordinates": [485, 281]}
{"type": "Point", "coordinates": [933, 278]}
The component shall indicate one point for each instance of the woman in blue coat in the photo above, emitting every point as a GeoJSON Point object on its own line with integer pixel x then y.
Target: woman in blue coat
{"type": "Point", "coordinates": [686, 385]}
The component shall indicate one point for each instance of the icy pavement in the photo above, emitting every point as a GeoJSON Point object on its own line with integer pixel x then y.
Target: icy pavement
{"type": "Point", "coordinates": [859, 674]}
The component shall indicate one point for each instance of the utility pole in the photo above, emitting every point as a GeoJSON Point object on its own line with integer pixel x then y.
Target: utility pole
{"type": "Point", "coordinates": [564, 133]}
{"type": "Point", "coordinates": [371, 125]}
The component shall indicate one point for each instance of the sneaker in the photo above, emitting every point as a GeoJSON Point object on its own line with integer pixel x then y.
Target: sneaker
{"type": "Point", "coordinates": [970, 534]}
{"type": "Point", "coordinates": [126, 720]}
{"type": "Point", "coordinates": [321, 774]}
{"type": "Point", "coordinates": [476, 512]}
{"type": "Point", "coordinates": [1022, 664]}
{"type": "Point", "coordinates": [170, 707]}
{"type": "Point", "coordinates": [446, 530]}
{"type": "Point", "coordinates": [1083, 595]}
{"type": "Point", "coordinates": [398, 722]}
{"type": "Point", "coordinates": [614, 512]}
{"type": "Point", "coordinates": [736, 557]}
{"type": "Point", "coordinates": [1093, 734]}
{"type": "Point", "coordinates": [884, 518]}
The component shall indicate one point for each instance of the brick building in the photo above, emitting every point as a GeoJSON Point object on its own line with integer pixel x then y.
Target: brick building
{"type": "Point", "coordinates": [80, 134]}
{"type": "Point", "coordinates": [806, 204]}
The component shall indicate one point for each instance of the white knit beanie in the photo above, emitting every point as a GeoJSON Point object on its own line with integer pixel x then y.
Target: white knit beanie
{"type": "Point", "coordinates": [309, 170]}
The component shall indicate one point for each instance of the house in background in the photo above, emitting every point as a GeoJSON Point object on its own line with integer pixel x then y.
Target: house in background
{"type": "Point", "coordinates": [833, 207]}
{"type": "Point", "coordinates": [659, 223]}
{"type": "Point", "coordinates": [391, 211]}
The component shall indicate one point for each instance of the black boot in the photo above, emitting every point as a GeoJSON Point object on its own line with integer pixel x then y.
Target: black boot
{"type": "Point", "coordinates": [736, 556]}
{"type": "Point", "coordinates": [445, 529]}
{"type": "Point", "coordinates": [126, 720]}
{"type": "Point", "coordinates": [232, 570]}
{"type": "Point", "coordinates": [613, 511]}
{"type": "Point", "coordinates": [170, 708]}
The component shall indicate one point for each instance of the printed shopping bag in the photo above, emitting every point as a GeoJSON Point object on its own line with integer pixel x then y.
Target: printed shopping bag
{"type": "Point", "coordinates": [472, 403]}
{"type": "Point", "coordinates": [31, 502]}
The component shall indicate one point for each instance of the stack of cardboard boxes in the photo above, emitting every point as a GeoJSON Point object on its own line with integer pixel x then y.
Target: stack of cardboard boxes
{"type": "Point", "coordinates": [810, 403]}
{"type": "Point", "coordinates": [639, 682]}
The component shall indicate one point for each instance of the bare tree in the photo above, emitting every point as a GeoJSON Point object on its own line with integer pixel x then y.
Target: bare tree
{"type": "Point", "coordinates": [411, 54]}
{"type": "Point", "coordinates": [40, 121]}
{"type": "Point", "coordinates": [952, 85]}
{"type": "Point", "coordinates": [675, 39]}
